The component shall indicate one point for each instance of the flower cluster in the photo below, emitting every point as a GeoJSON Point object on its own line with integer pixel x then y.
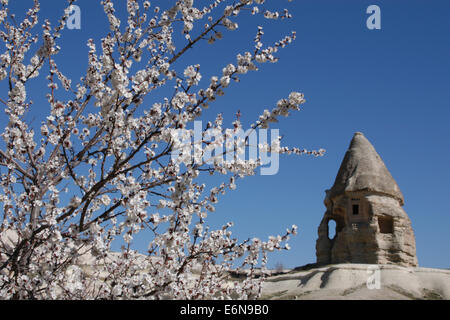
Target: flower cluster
{"type": "Point", "coordinates": [99, 168]}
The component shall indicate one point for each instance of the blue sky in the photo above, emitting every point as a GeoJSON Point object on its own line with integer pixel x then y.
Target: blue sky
{"type": "Point", "coordinates": [392, 84]}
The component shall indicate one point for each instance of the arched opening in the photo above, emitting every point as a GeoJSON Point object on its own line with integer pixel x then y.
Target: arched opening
{"type": "Point", "coordinates": [332, 227]}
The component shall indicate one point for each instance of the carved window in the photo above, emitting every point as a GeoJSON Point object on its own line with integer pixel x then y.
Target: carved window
{"type": "Point", "coordinates": [386, 224]}
{"type": "Point", "coordinates": [355, 207]}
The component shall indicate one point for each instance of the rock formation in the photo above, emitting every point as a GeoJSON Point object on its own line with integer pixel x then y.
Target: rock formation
{"type": "Point", "coordinates": [358, 281]}
{"type": "Point", "coordinates": [366, 204]}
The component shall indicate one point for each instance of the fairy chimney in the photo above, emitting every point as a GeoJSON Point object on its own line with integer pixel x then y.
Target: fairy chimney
{"type": "Point", "coordinates": [365, 204]}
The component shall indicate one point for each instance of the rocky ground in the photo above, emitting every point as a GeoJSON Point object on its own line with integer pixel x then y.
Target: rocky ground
{"type": "Point", "coordinates": [346, 281]}
{"type": "Point", "coordinates": [350, 281]}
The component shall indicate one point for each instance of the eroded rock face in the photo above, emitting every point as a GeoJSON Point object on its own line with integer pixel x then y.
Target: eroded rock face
{"type": "Point", "coordinates": [366, 204]}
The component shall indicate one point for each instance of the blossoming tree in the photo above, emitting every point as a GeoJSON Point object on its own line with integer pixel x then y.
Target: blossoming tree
{"type": "Point", "coordinates": [101, 166]}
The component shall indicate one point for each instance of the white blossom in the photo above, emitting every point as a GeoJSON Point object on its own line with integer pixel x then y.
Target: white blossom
{"type": "Point", "coordinates": [101, 168]}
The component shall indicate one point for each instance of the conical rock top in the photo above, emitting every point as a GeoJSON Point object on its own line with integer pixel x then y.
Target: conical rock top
{"type": "Point", "coordinates": [363, 169]}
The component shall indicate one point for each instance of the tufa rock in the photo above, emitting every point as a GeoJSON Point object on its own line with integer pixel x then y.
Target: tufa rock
{"type": "Point", "coordinates": [366, 204]}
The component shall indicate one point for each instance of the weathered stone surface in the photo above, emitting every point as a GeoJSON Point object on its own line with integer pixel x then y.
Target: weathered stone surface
{"type": "Point", "coordinates": [363, 169]}
{"type": "Point", "coordinates": [366, 204]}
{"type": "Point", "coordinates": [354, 281]}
